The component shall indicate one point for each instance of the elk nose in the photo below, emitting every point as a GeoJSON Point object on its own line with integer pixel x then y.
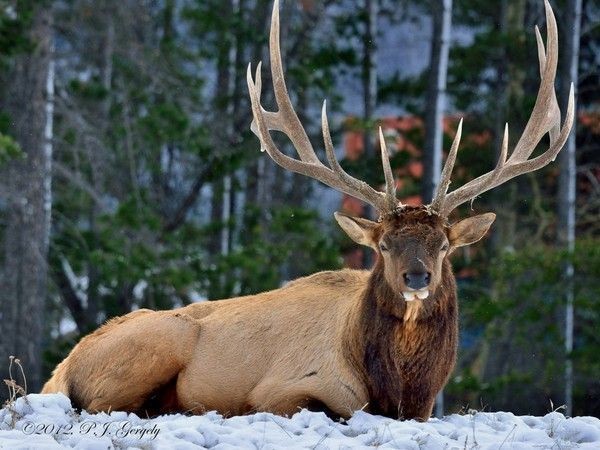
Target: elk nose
{"type": "Point", "coordinates": [417, 280]}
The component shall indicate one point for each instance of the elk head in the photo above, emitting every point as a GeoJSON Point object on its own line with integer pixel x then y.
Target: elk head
{"type": "Point", "coordinates": [412, 245]}
{"type": "Point", "coordinates": [413, 242]}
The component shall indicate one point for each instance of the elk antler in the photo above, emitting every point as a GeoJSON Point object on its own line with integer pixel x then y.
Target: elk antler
{"type": "Point", "coordinates": [286, 120]}
{"type": "Point", "coordinates": [545, 118]}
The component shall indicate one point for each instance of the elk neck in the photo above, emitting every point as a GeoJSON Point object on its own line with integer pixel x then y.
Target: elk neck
{"type": "Point", "coordinates": [389, 352]}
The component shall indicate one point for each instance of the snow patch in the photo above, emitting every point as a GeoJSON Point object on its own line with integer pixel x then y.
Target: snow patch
{"type": "Point", "coordinates": [49, 422]}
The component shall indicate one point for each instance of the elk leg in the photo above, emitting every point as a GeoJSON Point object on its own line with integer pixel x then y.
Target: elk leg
{"type": "Point", "coordinates": [288, 399]}
{"type": "Point", "coordinates": [125, 362]}
{"type": "Point", "coordinates": [418, 407]}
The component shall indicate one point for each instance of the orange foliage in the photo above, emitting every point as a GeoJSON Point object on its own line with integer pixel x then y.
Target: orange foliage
{"type": "Point", "coordinates": [590, 120]}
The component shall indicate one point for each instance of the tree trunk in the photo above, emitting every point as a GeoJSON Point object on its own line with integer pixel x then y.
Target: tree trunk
{"type": "Point", "coordinates": [220, 197]}
{"type": "Point", "coordinates": [369, 80]}
{"type": "Point", "coordinates": [509, 86]}
{"type": "Point", "coordinates": [369, 70]}
{"type": "Point", "coordinates": [108, 46]}
{"type": "Point", "coordinates": [26, 238]}
{"type": "Point", "coordinates": [434, 116]}
{"type": "Point", "coordinates": [254, 169]}
{"type": "Point", "coordinates": [436, 96]}
{"type": "Point", "coordinates": [566, 189]}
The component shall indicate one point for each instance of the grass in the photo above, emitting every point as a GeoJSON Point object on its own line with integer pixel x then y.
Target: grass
{"type": "Point", "coordinates": [15, 390]}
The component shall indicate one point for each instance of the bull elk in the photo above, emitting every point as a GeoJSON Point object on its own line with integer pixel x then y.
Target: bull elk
{"type": "Point", "coordinates": [337, 341]}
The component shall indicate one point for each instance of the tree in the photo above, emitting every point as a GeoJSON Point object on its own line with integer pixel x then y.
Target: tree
{"type": "Point", "coordinates": [436, 96]}
{"type": "Point", "coordinates": [434, 112]}
{"type": "Point", "coordinates": [566, 187]}
{"type": "Point", "coordinates": [29, 105]}
{"type": "Point", "coordinates": [369, 70]}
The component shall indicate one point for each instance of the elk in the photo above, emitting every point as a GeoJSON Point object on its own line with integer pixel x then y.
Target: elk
{"type": "Point", "coordinates": [337, 341]}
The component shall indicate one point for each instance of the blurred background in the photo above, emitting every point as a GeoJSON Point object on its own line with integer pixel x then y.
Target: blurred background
{"type": "Point", "coordinates": [129, 177]}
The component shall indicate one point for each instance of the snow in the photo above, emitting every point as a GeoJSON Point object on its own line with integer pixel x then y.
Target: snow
{"type": "Point", "coordinates": [49, 422]}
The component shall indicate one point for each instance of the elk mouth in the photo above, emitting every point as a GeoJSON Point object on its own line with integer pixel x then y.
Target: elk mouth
{"type": "Point", "coordinates": [414, 294]}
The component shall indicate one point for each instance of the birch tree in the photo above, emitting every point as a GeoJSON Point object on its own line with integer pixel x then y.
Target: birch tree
{"type": "Point", "coordinates": [434, 114]}
{"type": "Point", "coordinates": [369, 69]}
{"type": "Point", "coordinates": [566, 189]}
{"type": "Point", "coordinates": [436, 96]}
{"type": "Point", "coordinates": [369, 82]}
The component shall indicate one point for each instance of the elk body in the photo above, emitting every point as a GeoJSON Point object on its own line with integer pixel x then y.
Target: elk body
{"type": "Point", "coordinates": [384, 340]}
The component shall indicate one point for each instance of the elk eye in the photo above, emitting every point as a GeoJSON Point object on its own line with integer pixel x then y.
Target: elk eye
{"type": "Point", "coordinates": [383, 247]}
{"type": "Point", "coordinates": [444, 247]}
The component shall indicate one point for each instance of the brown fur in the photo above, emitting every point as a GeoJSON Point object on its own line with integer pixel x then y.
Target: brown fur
{"type": "Point", "coordinates": [334, 341]}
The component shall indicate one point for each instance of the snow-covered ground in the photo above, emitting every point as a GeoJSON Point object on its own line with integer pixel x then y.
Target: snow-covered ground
{"type": "Point", "coordinates": [48, 422]}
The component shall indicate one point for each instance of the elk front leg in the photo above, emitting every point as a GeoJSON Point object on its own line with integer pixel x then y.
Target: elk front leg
{"type": "Point", "coordinates": [416, 404]}
{"type": "Point", "coordinates": [311, 393]}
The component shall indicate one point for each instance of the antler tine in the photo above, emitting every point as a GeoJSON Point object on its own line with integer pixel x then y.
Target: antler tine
{"type": "Point", "coordinates": [545, 118]}
{"type": "Point", "coordinates": [390, 185]}
{"type": "Point", "coordinates": [503, 154]}
{"type": "Point", "coordinates": [374, 200]}
{"type": "Point", "coordinates": [542, 59]}
{"type": "Point", "coordinates": [286, 121]}
{"type": "Point", "coordinates": [270, 117]}
{"type": "Point", "coordinates": [447, 171]}
{"type": "Point", "coordinates": [541, 50]}
{"type": "Point", "coordinates": [261, 128]}
{"type": "Point", "coordinates": [289, 118]}
{"type": "Point", "coordinates": [546, 113]}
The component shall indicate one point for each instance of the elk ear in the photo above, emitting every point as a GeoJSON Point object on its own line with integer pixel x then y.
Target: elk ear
{"type": "Point", "coordinates": [469, 231]}
{"type": "Point", "coordinates": [360, 230]}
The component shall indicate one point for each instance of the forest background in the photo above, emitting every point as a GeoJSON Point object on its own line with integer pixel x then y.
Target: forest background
{"type": "Point", "coordinates": [130, 178]}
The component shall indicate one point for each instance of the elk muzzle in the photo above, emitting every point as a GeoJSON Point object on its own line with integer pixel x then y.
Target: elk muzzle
{"type": "Point", "coordinates": [417, 280]}
{"type": "Point", "coordinates": [416, 283]}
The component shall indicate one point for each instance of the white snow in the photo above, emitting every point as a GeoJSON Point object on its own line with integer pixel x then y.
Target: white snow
{"type": "Point", "coordinates": [48, 422]}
